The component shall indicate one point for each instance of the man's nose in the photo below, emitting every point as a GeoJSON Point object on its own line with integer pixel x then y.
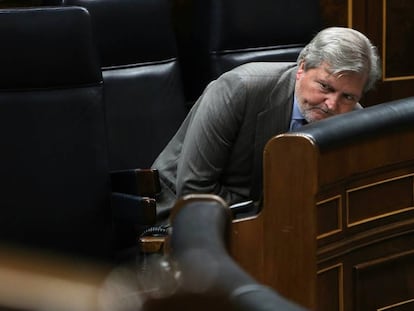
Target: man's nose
{"type": "Point", "coordinates": [332, 101]}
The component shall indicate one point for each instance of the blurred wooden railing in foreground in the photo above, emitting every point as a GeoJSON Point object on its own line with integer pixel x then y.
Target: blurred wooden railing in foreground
{"type": "Point", "coordinates": [336, 231]}
{"type": "Point", "coordinates": [209, 279]}
{"type": "Point", "coordinates": [196, 272]}
{"type": "Point", "coordinates": [30, 280]}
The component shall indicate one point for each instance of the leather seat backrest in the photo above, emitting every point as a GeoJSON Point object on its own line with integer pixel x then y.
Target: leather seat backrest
{"type": "Point", "coordinates": [216, 36]}
{"type": "Point", "coordinates": [54, 188]}
{"type": "Point", "coordinates": [387, 117]}
{"type": "Point", "coordinates": [142, 82]}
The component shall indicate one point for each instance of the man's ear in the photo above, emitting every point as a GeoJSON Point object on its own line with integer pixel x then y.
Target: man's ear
{"type": "Point", "coordinates": [301, 70]}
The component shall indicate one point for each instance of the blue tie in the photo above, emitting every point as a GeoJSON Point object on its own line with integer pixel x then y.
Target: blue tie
{"type": "Point", "coordinates": [297, 123]}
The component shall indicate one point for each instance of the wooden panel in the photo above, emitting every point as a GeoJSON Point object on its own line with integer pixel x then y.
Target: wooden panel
{"type": "Point", "coordinates": [398, 40]}
{"type": "Point", "coordinates": [259, 243]}
{"type": "Point", "coordinates": [366, 157]}
{"type": "Point", "coordinates": [330, 288]}
{"type": "Point", "coordinates": [246, 243]}
{"type": "Point", "coordinates": [329, 215]}
{"type": "Point", "coordinates": [297, 279]}
{"type": "Point", "coordinates": [389, 25]}
{"type": "Point", "coordinates": [385, 283]}
{"type": "Point", "coordinates": [378, 200]}
{"type": "Point", "coordinates": [335, 12]}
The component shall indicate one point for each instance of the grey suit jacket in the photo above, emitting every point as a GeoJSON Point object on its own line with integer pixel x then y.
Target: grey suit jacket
{"type": "Point", "coordinates": [219, 147]}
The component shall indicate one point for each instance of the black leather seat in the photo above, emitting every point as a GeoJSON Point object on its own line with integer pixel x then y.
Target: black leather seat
{"type": "Point", "coordinates": [142, 82]}
{"type": "Point", "coordinates": [215, 36]}
{"type": "Point", "coordinates": [49, 2]}
{"type": "Point", "coordinates": [55, 190]}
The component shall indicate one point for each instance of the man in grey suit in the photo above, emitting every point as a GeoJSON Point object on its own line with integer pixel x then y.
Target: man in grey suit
{"type": "Point", "coordinates": [218, 148]}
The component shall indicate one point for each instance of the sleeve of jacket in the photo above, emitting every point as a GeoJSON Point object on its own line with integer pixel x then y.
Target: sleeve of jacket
{"type": "Point", "coordinates": [210, 137]}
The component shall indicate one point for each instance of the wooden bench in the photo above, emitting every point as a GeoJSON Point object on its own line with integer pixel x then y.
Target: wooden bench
{"type": "Point", "coordinates": [336, 231]}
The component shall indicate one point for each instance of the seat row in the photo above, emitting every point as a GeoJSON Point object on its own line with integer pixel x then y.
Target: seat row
{"type": "Point", "coordinates": [213, 36]}
{"type": "Point", "coordinates": [158, 56]}
{"type": "Point", "coordinates": [92, 87]}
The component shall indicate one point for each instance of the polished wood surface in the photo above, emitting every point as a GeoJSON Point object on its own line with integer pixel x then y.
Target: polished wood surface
{"type": "Point", "coordinates": [388, 23]}
{"type": "Point", "coordinates": [335, 12]}
{"type": "Point", "coordinates": [337, 228]}
{"type": "Point", "coordinates": [390, 26]}
{"type": "Point", "coordinates": [34, 280]}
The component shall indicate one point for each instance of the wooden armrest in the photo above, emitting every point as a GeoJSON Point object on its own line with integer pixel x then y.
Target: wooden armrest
{"type": "Point", "coordinates": [133, 209]}
{"type": "Point", "coordinates": [131, 216]}
{"type": "Point", "coordinates": [152, 244]}
{"type": "Point", "coordinates": [142, 182]}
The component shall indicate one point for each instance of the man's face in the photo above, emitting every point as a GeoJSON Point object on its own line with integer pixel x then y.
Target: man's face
{"type": "Point", "coordinates": [321, 94]}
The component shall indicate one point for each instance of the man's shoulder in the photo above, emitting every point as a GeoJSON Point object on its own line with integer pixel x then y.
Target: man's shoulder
{"type": "Point", "coordinates": [259, 76]}
{"type": "Point", "coordinates": [263, 68]}
{"type": "Point", "coordinates": [255, 78]}
{"type": "Point", "coordinates": [259, 73]}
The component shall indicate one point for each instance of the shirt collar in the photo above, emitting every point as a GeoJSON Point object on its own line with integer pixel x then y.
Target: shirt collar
{"type": "Point", "coordinates": [296, 114]}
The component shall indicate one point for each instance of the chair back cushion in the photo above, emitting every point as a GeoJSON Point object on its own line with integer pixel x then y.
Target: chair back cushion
{"type": "Point", "coordinates": [143, 91]}
{"type": "Point", "coordinates": [54, 186]}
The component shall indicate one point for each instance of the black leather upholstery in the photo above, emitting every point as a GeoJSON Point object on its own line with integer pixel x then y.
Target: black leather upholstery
{"type": "Point", "coordinates": [358, 124]}
{"type": "Point", "coordinates": [130, 32]}
{"type": "Point", "coordinates": [143, 91]}
{"type": "Point", "coordinates": [49, 2]}
{"type": "Point", "coordinates": [23, 58]}
{"type": "Point", "coordinates": [54, 185]}
{"type": "Point", "coordinates": [216, 35]}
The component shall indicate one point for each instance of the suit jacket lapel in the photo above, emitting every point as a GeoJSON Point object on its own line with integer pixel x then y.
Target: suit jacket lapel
{"type": "Point", "coordinates": [270, 122]}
